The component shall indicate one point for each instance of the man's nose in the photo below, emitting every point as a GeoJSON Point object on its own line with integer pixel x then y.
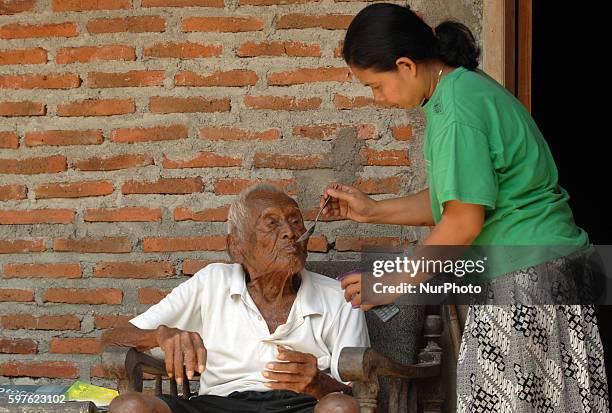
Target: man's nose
{"type": "Point", "coordinates": [288, 231]}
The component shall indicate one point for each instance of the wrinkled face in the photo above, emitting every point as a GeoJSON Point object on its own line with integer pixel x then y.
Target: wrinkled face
{"type": "Point", "coordinates": [270, 240]}
{"type": "Point", "coordinates": [403, 87]}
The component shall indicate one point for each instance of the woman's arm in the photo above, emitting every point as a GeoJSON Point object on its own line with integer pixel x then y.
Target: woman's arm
{"type": "Point", "coordinates": [413, 210]}
{"type": "Point", "coordinates": [349, 202]}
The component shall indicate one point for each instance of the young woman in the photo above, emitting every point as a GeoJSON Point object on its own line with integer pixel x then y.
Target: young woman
{"type": "Point", "coordinates": [492, 181]}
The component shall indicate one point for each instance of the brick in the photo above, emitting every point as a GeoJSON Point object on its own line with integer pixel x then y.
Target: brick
{"type": "Point", "coordinates": [19, 246]}
{"type": "Point", "coordinates": [182, 3]}
{"type": "Point", "coordinates": [80, 345]}
{"type": "Point", "coordinates": [174, 186]}
{"type": "Point", "coordinates": [150, 295]}
{"type": "Point", "coordinates": [50, 369]}
{"type": "Point", "coordinates": [289, 103]}
{"type": "Point", "coordinates": [83, 295]}
{"type": "Point", "coordinates": [37, 216]}
{"type": "Point", "coordinates": [74, 189]}
{"type": "Point", "coordinates": [157, 133]}
{"type": "Point", "coordinates": [222, 24]}
{"type": "Point", "coordinates": [13, 192]}
{"type": "Point", "coordinates": [51, 270]}
{"type": "Point", "coordinates": [204, 159]}
{"type": "Point", "coordinates": [85, 5]}
{"type": "Point", "coordinates": [32, 56]}
{"type": "Point", "coordinates": [17, 295]}
{"type": "Point", "coordinates": [273, 2]}
{"type": "Point", "coordinates": [170, 104]}
{"type": "Point", "coordinates": [105, 244]}
{"type": "Point", "coordinates": [30, 166]}
{"type": "Point", "coordinates": [64, 137]}
{"type": "Point", "coordinates": [305, 21]}
{"type": "Point", "coordinates": [24, 108]}
{"type": "Point", "coordinates": [8, 7]}
{"type": "Point", "coordinates": [172, 244]}
{"type": "Point", "coordinates": [401, 132]}
{"type": "Point", "coordinates": [113, 163]}
{"type": "Point", "coordinates": [230, 78]}
{"type": "Point", "coordinates": [218, 214]}
{"type": "Point", "coordinates": [237, 134]}
{"type": "Point", "coordinates": [318, 243]}
{"type": "Point", "coordinates": [133, 78]}
{"type": "Point", "coordinates": [352, 243]}
{"type": "Point", "coordinates": [97, 107]}
{"type": "Point", "coordinates": [43, 322]}
{"type": "Point", "coordinates": [26, 31]}
{"type": "Point", "coordinates": [18, 346]}
{"type": "Point", "coordinates": [234, 186]}
{"type": "Point", "coordinates": [9, 140]}
{"type": "Point", "coordinates": [151, 269]}
{"type": "Point", "coordinates": [125, 214]}
{"type": "Point", "coordinates": [374, 186]}
{"type": "Point", "coordinates": [338, 49]}
{"type": "Point", "coordinates": [287, 161]}
{"type": "Point", "coordinates": [358, 102]}
{"type": "Point", "coordinates": [87, 54]}
{"type": "Point", "coordinates": [104, 321]}
{"type": "Point", "coordinates": [330, 131]}
{"type": "Point", "coordinates": [389, 157]}
{"type": "Point", "coordinates": [40, 81]}
{"type": "Point", "coordinates": [185, 50]}
{"type": "Point", "coordinates": [132, 24]}
{"type": "Point", "coordinates": [309, 75]}
{"type": "Point", "coordinates": [190, 267]}
{"type": "Point", "coordinates": [279, 48]}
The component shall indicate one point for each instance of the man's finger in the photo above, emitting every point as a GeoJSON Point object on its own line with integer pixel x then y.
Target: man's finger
{"type": "Point", "coordinates": [169, 358]}
{"type": "Point", "coordinates": [178, 359]}
{"type": "Point", "coordinates": [294, 356]}
{"type": "Point", "coordinates": [283, 377]}
{"type": "Point", "coordinates": [189, 356]}
{"type": "Point", "coordinates": [200, 350]}
{"type": "Point", "coordinates": [287, 367]}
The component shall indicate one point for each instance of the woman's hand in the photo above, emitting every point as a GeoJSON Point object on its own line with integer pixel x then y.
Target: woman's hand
{"type": "Point", "coordinates": [351, 284]}
{"type": "Point", "coordinates": [347, 203]}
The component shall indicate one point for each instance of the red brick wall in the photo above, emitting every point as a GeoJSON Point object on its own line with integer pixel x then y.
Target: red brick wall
{"type": "Point", "coordinates": [128, 126]}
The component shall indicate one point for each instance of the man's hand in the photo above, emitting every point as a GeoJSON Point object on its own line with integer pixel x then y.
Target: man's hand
{"type": "Point", "coordinates": [295, 371]}
{"type": "Point", "coordinates": [181, 348]}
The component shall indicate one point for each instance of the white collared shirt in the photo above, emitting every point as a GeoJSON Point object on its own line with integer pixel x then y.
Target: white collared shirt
{"type": "Point", "coordinates": [216, 303]}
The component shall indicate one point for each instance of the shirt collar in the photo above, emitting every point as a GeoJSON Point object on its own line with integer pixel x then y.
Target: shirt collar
{"type": "Point", "coordinates": [308, 300]}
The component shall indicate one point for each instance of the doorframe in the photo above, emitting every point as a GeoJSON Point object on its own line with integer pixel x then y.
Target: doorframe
{"type": "Point", "coordinates": [507, 45]}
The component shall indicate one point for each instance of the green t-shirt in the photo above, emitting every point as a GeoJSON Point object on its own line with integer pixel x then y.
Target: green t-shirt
{"type": "Point", "coordinates": [483, 147]}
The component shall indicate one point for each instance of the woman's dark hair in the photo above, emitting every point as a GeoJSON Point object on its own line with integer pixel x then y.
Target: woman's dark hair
{"type": "Point", "coordinates": [383, 32]}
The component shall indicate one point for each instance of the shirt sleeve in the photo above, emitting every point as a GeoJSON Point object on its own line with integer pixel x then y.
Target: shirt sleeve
{"type": "Point", "coordinates": [179, 309]}
{"type": "Point", "coordinates": [462, 168]}
{"type": "Point", "coordinates": [348, 330]}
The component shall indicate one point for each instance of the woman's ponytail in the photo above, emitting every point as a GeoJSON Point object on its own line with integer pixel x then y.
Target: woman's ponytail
{"type": "Point", "coordinates": [456, 46]}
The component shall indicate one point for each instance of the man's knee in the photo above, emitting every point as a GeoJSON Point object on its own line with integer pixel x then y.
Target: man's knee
{"type": "Point", "coordinates": [137, 403]}
{"type": "Point", "coordinates": [337, 403]}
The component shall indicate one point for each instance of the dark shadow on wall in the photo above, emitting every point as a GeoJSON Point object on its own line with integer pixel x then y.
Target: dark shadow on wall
{"type": "Point", "coordinates": [571, 89]}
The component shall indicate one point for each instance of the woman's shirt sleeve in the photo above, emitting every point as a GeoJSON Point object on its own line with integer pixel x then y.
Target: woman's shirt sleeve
{"type": "Point", "coordinates": [461, 167]}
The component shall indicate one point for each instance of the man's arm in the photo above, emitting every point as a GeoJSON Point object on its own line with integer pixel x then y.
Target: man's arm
{"type": "Point", "coordinates": [130, 336]}
{"type": "Point", "coordinates": [180, 347]}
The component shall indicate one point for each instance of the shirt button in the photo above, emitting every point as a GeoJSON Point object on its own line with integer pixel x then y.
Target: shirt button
{"type": "Point", "coordinates": [259, 318]}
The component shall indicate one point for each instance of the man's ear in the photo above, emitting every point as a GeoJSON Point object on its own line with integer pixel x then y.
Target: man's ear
{"type": "Point", "coordinates": [233, 249]}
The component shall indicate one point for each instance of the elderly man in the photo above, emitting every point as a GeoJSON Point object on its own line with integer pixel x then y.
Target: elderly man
{"type": "Point", "coordinates": [262, 331]}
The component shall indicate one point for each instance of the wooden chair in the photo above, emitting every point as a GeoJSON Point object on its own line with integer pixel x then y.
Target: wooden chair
{"type": "Point", "coordinates": [400, 373]}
